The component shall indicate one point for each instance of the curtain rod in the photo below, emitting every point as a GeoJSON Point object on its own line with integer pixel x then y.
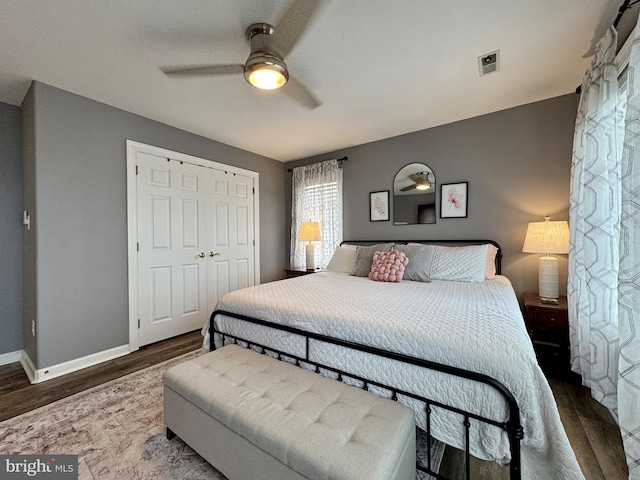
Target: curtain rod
{"type": "Point", "coordinates": [343, 159]}
{"type": "Point", "coordinates": [626, 5]}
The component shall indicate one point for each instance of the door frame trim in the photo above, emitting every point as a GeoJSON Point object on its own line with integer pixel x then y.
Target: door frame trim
{"type": "Point", "coordinates": [133, 148]}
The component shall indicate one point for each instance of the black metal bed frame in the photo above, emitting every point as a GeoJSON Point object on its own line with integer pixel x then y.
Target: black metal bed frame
{"type": "Point", "coordinates": [512, 426]}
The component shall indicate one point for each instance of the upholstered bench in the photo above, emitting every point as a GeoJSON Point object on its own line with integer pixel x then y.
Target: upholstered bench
{"type": "Point", "coordinates": [254, 417]}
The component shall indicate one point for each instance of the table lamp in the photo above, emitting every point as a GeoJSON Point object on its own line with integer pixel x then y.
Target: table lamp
{"type": "Point", "coordinates": [547, 237]}
{"type": "Point", "coordinates": [310, 232]}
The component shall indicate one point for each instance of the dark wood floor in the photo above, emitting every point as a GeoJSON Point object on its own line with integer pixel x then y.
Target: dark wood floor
{"type": "Point", "coordinates": [18, 396]}
{"type": "Point", "coordinates": [590, 428]}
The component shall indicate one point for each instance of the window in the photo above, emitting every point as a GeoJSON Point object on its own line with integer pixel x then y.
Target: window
{"type": "Point", "coordinates": [317, 197]}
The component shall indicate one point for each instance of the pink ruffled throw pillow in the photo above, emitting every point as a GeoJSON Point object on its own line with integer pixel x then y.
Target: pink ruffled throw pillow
{"type": "Point", "coordinates": [388, 266]}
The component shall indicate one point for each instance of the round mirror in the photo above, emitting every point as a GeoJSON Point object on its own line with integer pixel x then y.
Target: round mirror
{"type": "Point", "coordinates": [414, 195]}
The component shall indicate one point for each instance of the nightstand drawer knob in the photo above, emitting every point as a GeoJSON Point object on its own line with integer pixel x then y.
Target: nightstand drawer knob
{"type": "Point", "coordinates": [552, 319]}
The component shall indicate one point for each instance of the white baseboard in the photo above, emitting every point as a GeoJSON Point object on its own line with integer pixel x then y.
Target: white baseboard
{"type": "Point", "coordinates": [43, 374]}
{"type": "Point", "coordinates": [28, 366]}
{"type": "Point", "coordinates": [11, 357]}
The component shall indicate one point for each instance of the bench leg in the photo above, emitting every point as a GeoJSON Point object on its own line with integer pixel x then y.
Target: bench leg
{"type": "Point", "coordinates": [170, 434]}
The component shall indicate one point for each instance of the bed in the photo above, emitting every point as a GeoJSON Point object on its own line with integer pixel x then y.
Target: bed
{"type": "Point", "coordinates": [449, 341]}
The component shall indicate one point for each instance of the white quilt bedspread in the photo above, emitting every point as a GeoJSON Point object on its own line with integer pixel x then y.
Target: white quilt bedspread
{"type": "Point", "coordinates": [473, 326]}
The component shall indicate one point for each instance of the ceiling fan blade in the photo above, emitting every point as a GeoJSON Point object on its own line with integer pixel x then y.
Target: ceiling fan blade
{"type": "Point", "coordinates": [293, 24]}
{"type": "Point", "coordinates": [296, 90]}
{"type": "Point", "coordinates": [193, 71]}
{"type": "Point", "coordinates": [410, 187]}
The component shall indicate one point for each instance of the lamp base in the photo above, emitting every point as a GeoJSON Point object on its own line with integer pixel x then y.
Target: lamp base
{"type": "Point", "coordinates": [311, 264]}
{"type": "Point", "coordinates": [549, 301]}
{"type": "Point", "coordinates": [548, 277]}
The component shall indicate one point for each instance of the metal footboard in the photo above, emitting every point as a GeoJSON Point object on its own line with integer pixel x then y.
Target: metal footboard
{"type": "Point", "coordinates": [512, 426]}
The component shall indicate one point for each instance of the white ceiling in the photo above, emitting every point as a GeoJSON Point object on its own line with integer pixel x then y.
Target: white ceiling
{"type": "Point", "coordinates": [381, 68]}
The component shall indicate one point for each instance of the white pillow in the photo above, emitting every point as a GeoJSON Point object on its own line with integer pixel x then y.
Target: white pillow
{"type": "Point", "coordinates": [343, 259]}
{"type": "Point", "coordinates": [460, 264]}
{"type": "Point", "coordinates": [490, 271]}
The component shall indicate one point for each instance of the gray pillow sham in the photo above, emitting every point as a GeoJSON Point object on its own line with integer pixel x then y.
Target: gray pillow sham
{"type": "Point", "coordinates": [420, 259]}
{"type": "Point", "coordinates": [364, 258]}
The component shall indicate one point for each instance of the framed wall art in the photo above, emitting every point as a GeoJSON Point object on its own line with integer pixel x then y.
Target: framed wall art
{"type": "Point", "coordinates": [379, 206]}
{"type": "Point", "coordinates": [454, 198]}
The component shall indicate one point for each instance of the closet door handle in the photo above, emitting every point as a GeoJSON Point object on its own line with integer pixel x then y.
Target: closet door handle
{"type": "Point", "coordinates": [213, 254]}
{"type": "Point", "coordinates": [201, 255]}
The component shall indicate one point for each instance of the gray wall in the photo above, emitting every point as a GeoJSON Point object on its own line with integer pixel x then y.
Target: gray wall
{"type": "Point", "coordinates": [29, 250]}
{"type": "Point", "coordinates": [517, 163]}
{"type": "Point", "coordinates": [79, 204]}
{"type": "Point", "coordinates": [10, 230]}
{"type": "Point", "coordinates": [74, 272]}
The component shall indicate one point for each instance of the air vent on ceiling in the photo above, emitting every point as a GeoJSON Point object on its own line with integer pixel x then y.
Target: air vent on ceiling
{"type": "Point", "coordinates": [489, 62]}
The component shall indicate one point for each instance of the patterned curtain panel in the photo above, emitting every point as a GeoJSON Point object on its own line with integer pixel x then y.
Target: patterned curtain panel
{"type": "Point", "coordinates": [604, 256]}
{"type": "Point", "coordinates": [594, 218]}
{"type": "Point", "coordinates": [316, 195]}
{"type": "Point", "coordinates": [629, 274]}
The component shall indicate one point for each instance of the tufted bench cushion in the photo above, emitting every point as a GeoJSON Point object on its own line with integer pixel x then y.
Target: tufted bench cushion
{"type": "Point", "coordinates": [252, 416]}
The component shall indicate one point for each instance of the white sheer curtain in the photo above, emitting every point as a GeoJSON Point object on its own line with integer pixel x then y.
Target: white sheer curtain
{"type": "Point", "coordinates": [604, 256]}
{"type": "Point", "coordinates": [629, 275]}
{"type": "Point", "coordinates": [316, 195]}
{"type": "Point", "coordinates": [594, 218]}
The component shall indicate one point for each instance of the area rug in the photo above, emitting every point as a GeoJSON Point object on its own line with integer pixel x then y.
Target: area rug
{"type": "Point", "coordinates": [116, 429]}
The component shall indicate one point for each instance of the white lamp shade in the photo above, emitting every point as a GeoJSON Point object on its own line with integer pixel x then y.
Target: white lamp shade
{"type": "Point", "coordinates": [547, 237]}
{"type": "Point", "coordinates": [309, 232]}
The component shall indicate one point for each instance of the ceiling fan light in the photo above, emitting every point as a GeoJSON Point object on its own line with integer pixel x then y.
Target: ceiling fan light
{"type": "Point", "coordinates": [423, 186]}
{"type": "Point", "coordinates": [265, 71]}
{"type": "Point", "coordinates": [266, 77]}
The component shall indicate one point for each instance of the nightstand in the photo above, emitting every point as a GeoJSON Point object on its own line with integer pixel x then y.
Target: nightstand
{"type": "Point", "coordinates": [298, 272]}
{"type": "Point", "coordinates": [548, 327]}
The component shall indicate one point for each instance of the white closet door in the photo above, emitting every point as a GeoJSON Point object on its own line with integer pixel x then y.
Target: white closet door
{"type": "Point", "coordinates": [196, 242]}
{"type": "Point", "coordinates": [230, 233]}
{"type": "Point", "coordinates": [172, 257]}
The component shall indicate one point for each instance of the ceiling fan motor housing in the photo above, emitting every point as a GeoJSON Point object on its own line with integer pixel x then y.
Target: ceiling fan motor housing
{"type": "Point", "coordinates": [262, 54]}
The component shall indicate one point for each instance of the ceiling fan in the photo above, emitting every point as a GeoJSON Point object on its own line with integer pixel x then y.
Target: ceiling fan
{"type": "Point", "coordinates": [421, 182]}
{"type": "Point", "coordinates": [265, 68]}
